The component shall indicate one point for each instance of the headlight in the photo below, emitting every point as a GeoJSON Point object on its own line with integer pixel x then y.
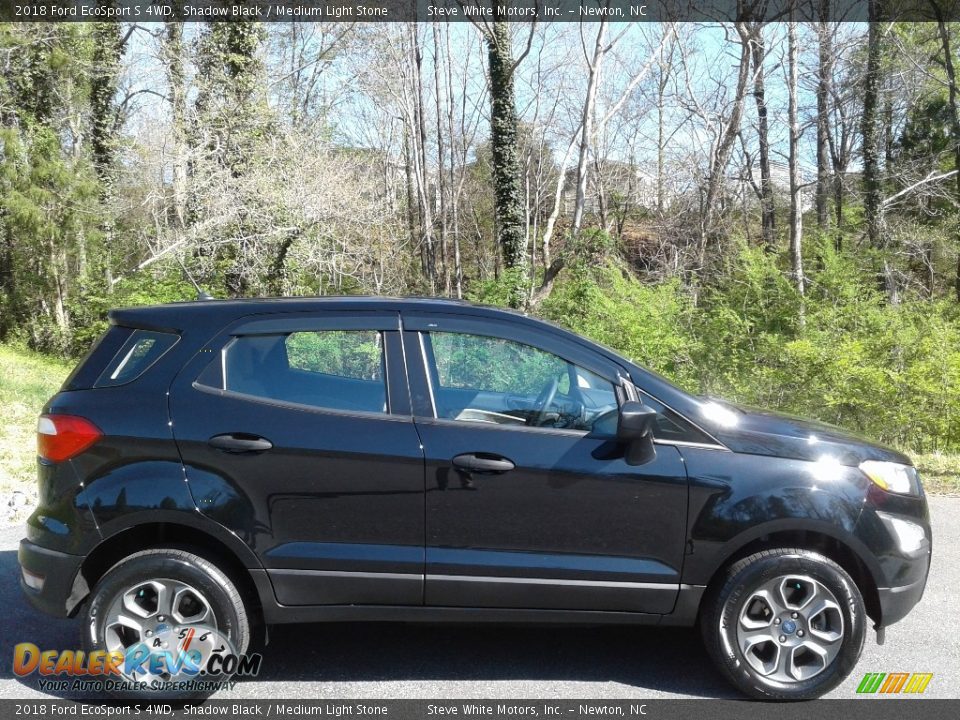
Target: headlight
{"type": "Point", "coordinates": [892, 477]}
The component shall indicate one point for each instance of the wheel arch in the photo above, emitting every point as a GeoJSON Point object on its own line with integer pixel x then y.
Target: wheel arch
{"type": "Point", "coordinates": [816, 540]}
{"type": "Point", "coordinates": [111, 550]}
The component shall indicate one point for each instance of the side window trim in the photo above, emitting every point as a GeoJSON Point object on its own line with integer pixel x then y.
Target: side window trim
{"type": "Point", "coordinates": [505, 329]}
{"type": "Point", "coordinates": [398, 388]}
{"type": "Point", "coordinates": [421, 398]}
{"type": "Point", "coordinates": [315, 322]}
{"type": "Point", "coordinates": [493, 427]}
{"type": "Point", "coordinates": [316, 409]}
{"type": "Point", "coordinates": [429, 361]}
{"type": "Point", "coordinates": [634, 392]}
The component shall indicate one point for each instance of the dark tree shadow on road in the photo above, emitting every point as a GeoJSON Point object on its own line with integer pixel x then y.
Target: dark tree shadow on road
{"type": "Point", "coordinates": [660, 659]}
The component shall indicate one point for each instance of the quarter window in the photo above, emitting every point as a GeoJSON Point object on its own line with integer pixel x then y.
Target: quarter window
{"type": "Point", "coordinates": [141, 350]}
{"type": "Point", "coordinates": [491, 380]}
{"type": "Point", "coordinates": [333, 369]}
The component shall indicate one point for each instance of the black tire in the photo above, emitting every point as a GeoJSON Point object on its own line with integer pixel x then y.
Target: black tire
{"type": "Point", "coordinates": [725, 599]}
{"type": "Point", "coordinates": [218, 589]}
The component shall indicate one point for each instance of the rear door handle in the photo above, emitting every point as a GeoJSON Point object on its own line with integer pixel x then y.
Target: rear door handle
{"type": "Point", "coordinates": [483, 463]}
{"type": "Point", "coordinates": [239, 443]}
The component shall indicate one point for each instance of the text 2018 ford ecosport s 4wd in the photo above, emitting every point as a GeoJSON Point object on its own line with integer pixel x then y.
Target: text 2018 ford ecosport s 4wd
{"type": "Point", "coordinates": [228, 464]}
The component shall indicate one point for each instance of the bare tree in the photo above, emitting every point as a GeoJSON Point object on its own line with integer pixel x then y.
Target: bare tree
{"type": "Point", "coordinates": [723, 146]}
{"type": "Point", "coordinates": [173, 56]}
{"type": "Point", "coordinates": [953, 101]}
{"type": "Point", "coordinates": [796, 208]}
{"type": "Point", "coordinates": [844, 121]}
{"type": "Point", "coordinates": [824, 77]}
{"type": "Point", "coordinates": [870, 129]}
{"type": "Point", "coordinates": [768, 222]}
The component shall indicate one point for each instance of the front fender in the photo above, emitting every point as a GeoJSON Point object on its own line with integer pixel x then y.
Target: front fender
{"type": "Point", "coordinates": [737, 499]}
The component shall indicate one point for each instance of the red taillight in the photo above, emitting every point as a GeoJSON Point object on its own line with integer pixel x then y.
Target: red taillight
{"type": "Point", "coordinates": [61, 437]}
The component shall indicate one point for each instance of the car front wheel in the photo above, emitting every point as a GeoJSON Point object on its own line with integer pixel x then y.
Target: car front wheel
{"type": "Point", "coordinates": [785, 624]}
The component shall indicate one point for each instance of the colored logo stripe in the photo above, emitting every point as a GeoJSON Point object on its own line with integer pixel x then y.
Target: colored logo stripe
{"type": "Point", "coordinates": [893, 683]}
{"type": "Point", "coordinates": [870, 682]}
{"type": "Point", "coordinates": [918, 682]}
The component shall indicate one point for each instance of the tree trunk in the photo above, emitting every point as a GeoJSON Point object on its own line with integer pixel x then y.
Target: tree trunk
{"type": "Point", "coordinates": [661, 192]}
{"type": "Point", "coordinates": [412, 202]}
{"type": "Point", "coordinates": [954, 122]}
{"type": "Point", "coordinates": [796, 209]}
{"type": "Point", "coordinates": [665, 70]}
{"type": "Point", "coordinates": [870, 130]}
{"type": "Point", "coordinates": [586, 129]}
{"type": "Point", "coordinates": [107, 51]}
{"type": "Point", "coordinates": [8, 279]}
{"type": "Point", "coordinates": [824, 78]}
{"type": "Point", "coordinates": [511, 233]}
{"type": "Point", "coordinates": [441, 176]}
{"type": "Point", "coordinates": [767, 208]}
{"type": "Point", "coordinates": [721, 155]}
{"type": "Point", "coordinates": [178, 112]}
{"type": "Point", "coordinates": [423, 176]}
{"type": "Point", "coordinates": [455, 167]}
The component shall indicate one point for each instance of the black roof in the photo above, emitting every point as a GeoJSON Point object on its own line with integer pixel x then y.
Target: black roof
{"type": "Point", "coordinates": [185, 315]}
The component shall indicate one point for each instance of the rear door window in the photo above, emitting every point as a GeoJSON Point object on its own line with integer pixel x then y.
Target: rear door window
{"type": "Point", "coordinates": [141, 350]}
{"type": "Point", "coordinates": [330, 369]}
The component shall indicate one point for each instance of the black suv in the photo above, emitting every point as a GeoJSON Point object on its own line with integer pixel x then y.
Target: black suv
{"type": "Point", "coordinates": [234, 464]}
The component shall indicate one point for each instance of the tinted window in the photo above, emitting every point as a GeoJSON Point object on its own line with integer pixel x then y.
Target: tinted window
{"type": "Point", "coordinates": [89, 369]}
{"type": "Point", "coordinates": [335, 369]}
{"type": "Point", "coordinates": [141, 350]}
{"type": "Point", "coordinates": [351, 354]}
{"type": "Point", "coordinates": [491, 380]}
{"type": "Point", "coordinates": [670, 426]}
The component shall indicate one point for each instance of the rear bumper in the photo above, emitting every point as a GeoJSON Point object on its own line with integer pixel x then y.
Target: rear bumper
{"type": "Point", "coordinates": [61, 587]}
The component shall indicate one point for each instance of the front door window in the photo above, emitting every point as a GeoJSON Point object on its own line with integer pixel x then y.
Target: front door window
{"type": "Point", "coordinates": [492, 380]}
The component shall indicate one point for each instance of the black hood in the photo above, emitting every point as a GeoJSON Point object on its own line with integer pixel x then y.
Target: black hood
{"type": "Point", "coordinates": [763, 432]}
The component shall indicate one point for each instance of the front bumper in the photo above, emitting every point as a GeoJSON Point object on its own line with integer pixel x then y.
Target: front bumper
{"type": "Point", "coordinates": [901, 561]}
{"type": "Point", "coordinates": [57, 585]}
{"type": "Point", "coordinates": [896, 602]}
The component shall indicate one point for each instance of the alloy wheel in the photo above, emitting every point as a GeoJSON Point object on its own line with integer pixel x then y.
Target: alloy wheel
{"type": "Point", "coordinates": [164, 614]}
{"type": "Point", "coordinates": [790, 628]}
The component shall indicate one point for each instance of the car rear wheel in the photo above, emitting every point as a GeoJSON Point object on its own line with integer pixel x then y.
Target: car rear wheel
{"type": "Point", "coordinates": [785, 624]}
{"type": "Point", "coordinates": [172, 604]}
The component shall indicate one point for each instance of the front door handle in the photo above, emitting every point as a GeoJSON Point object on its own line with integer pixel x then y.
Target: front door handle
{"type": "Point", "coordinates": [239, 443]}
{"type": "Point", "coordinates": [483, 463]}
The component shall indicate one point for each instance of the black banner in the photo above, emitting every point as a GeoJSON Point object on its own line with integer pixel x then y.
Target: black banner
{"type": "Point", "coordinates": [477, 11]}
{"type": "Point", "coordinates": [639, 709]}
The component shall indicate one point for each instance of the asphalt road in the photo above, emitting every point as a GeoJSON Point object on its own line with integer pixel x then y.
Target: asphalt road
{"type": "Point", "coordinates": [412, 661]}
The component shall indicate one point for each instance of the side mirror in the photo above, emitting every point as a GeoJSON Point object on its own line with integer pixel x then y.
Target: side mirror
{"type": "Point", "coordinates": [635, 430]}
{"type": "Point", "coordinates": [636, 421]}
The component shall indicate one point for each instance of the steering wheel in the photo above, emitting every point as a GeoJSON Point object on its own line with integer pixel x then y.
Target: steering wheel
{"type": "Point", "coordinates": [544, 399]}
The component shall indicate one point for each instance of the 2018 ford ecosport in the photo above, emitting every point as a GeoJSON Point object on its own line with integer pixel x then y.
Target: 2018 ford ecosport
{"type": "Point", "coordinates": [235, 464]}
